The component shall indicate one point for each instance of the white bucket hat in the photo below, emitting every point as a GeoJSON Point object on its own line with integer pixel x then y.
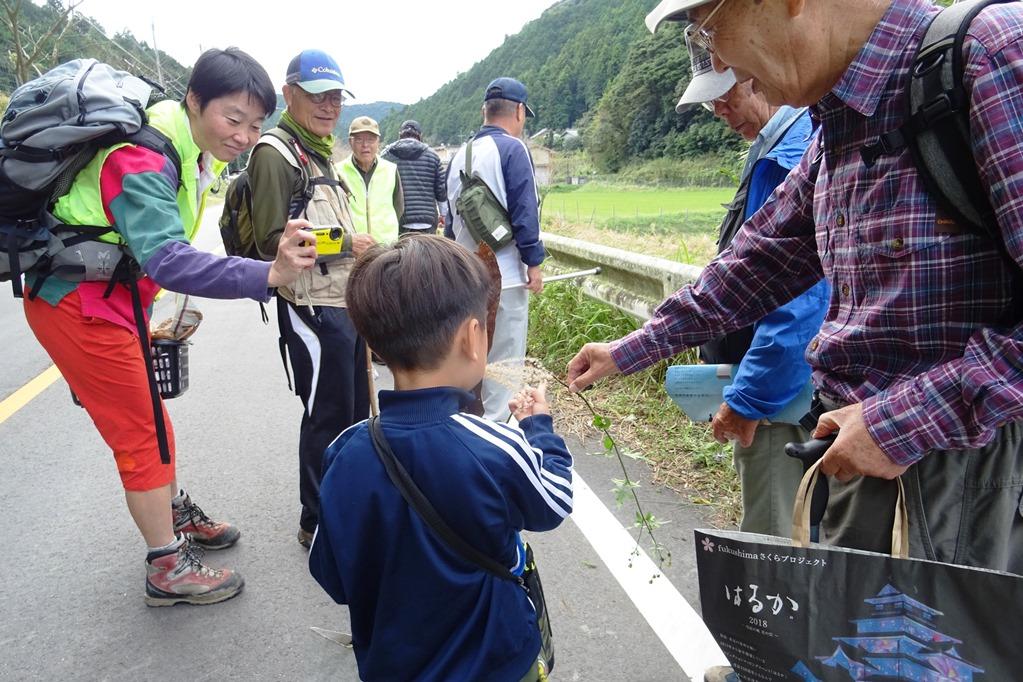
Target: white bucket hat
{"type": "Point", "coordinates": [706, 84]}
{"type": "Point", "coordinates": [671, 10]}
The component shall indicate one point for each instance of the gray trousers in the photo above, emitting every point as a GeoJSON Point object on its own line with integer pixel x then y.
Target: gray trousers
{"type": "Point", "coordinates": [964, 507]}
{"type": "Point", "coordinates": [769, 479]}
{"type": "Point", "coordinates": [508, 351]}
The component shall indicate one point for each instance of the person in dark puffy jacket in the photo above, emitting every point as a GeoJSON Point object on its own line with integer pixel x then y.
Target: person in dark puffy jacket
{"type": "Point", "coordinates": [422, 179]}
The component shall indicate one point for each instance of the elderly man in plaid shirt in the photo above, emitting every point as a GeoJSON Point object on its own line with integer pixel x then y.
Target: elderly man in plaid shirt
{"type": "Point", "coordinates": [919, 362]}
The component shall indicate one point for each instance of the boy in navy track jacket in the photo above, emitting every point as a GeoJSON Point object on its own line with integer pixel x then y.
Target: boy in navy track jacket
{"type": "Point", "coordinates": [418, 610]}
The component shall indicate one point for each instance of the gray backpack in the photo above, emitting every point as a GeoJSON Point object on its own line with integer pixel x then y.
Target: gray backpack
{"type": "Point", "coordinates": [52, 128]}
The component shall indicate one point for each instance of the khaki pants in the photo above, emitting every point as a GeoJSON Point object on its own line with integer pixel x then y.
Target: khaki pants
{"type": "Point", "coordinates": [769, 479]}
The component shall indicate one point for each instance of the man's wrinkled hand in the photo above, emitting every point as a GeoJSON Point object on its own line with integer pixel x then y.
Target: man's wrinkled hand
{"type": "Point", "coordinates": [728, 425]}
{"type": "Point", "coordinates": [534, 279]}
{"type": "Point", "coordinates": [361, 242]}
{"type": "Point", "coordinates": [592, 363]}
{"type": "Point", "coordinates": [854, 452]}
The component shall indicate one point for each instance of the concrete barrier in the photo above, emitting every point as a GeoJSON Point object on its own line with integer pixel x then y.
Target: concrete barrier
{"type": "Point", "coordinates": [631, 282]}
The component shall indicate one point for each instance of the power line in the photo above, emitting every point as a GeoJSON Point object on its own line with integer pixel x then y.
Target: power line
{"type": "Point", "coordinates": [133, 61]}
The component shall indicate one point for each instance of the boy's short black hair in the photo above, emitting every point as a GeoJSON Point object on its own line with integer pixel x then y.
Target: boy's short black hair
{"type": "Point", "coordinates": [407, 299]}
{"type": "Point", "coordinates": [224, 72]}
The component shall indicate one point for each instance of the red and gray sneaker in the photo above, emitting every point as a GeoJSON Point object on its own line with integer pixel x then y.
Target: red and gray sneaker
{"type": "Point", "coordinates": [210, 534]}
{"type": "Point", "coordinates": [178, 576]}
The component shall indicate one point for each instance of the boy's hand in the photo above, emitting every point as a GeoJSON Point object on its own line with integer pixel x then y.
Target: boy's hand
{"type": "Point", "coordinates": [529, 402]}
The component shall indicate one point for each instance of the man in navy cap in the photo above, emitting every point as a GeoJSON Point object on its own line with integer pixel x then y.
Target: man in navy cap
{"type": "Point", "coordinates": [502, 160]}
{"type": "Point", "coordinates": [291, 174]}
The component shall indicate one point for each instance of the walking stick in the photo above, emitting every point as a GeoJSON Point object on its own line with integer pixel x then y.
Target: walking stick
{"type": "Point", "coordinates": [374, 409]}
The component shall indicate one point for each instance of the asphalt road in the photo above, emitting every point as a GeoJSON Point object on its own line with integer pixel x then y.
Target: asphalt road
{"type": "Point", "coordinates": [72, 574]}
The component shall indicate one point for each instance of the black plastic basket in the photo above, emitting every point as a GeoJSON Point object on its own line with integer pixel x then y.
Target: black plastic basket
{"type": "Point", "coordinates": [170, 363]}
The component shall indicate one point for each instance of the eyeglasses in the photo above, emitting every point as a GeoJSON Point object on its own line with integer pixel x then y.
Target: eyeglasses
{"type": "Point", "coordinates": [723, 100]}
{"type": "Point", "coordinates": [335, 98]}
{"type": "Point", "coordinates": [701, 35]}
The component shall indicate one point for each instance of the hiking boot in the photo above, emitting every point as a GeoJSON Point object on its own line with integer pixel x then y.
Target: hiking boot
{"type": "Point", "coordinates": [720, 673]}
{"type": "Point", "coordinates": [178, 576]}
{"type": "Point", "coordinates": [305, 538]}
{"type": "Point", "coordinates": [210, 534]}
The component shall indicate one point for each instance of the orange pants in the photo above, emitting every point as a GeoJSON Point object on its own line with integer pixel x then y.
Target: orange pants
{"type": "Point", "coordinates": [103, 364]}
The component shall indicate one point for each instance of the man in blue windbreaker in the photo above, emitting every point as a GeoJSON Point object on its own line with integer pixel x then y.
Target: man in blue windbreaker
{"type": "Point", "coordinates": [769, 353]}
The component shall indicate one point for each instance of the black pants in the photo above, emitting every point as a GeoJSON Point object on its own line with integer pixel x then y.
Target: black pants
{"type": "Point", "coordinates": [328, 359]}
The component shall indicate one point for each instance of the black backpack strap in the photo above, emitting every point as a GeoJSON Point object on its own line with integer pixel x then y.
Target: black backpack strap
{"type": "Point", "coordinates": [147, 357]}
{"type": "Point", "coordinates": [152, 139]}
{"type": "Point", "coordinates": [937, 127]}
{"type": "Point", "coordinates": [418, 501]}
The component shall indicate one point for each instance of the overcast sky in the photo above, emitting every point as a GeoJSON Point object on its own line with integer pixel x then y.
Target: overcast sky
{"type": "Point", "coordinates": [392, 50]}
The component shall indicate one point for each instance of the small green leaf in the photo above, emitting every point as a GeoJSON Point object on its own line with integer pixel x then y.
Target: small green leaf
{"type": "Point", "coordinates": [609, 444]}
{"type": "Point", "coordinates": [601, 422]}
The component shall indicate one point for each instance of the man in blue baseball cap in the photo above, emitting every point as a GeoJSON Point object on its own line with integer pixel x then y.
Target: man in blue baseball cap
{"type": "Point", "coordinates": [291, 173]}
{"type": "Point", "coordinates": [502, 160]}
{"type": "Point", "coordinates": [316, 72]}
{"type": "Point", "coordinates": [508, 89]}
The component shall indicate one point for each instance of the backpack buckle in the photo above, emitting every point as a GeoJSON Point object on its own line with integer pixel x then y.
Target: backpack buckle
{"type": "Point", "coordinates": [939, 108]}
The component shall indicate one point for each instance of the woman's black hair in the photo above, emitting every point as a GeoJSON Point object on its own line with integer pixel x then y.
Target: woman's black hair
{"type": "Point", "coordinates": [224, 72]}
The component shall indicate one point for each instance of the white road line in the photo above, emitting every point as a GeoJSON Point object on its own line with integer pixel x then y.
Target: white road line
{"type": "Point", "coordinates": [670, 616]}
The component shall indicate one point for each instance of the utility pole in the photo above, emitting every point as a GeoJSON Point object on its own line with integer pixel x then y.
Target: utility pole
{"type": "Point", "coordinates": [159, 72]}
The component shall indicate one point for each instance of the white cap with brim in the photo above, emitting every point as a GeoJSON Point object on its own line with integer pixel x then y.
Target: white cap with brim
{"type": "Point", "coordinates": [705, 87]}
{"type": "Point", "coordinates": [671, 10]}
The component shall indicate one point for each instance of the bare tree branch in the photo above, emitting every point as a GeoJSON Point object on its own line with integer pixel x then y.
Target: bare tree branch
{"type": "Point", "coordinates": [27, 49]}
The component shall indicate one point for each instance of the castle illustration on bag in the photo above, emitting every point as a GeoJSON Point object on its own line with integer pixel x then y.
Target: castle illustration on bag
{"type": "Point", "coordinates": [896, 641]}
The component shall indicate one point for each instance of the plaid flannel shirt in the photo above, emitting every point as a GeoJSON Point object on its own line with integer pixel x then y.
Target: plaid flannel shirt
{"type": "Point", "coordinates": [922, 326]}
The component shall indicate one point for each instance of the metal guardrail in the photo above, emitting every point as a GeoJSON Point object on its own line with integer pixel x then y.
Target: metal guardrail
{"type": "Point", "coordinates": [631, 282]}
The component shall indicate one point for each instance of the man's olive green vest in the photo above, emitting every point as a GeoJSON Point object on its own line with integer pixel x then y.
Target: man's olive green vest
{"type": "Point", "coordinates": [373, 207]}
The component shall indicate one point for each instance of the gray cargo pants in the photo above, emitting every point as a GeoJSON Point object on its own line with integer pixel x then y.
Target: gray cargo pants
{"type": "Point", "coordinates": [964, 506]}
{"type": "Point", "coordinates": [769, 479]}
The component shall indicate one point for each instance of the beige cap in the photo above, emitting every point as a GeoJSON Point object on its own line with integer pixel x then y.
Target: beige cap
{"type": "Point", "coordinates": [364, 124]}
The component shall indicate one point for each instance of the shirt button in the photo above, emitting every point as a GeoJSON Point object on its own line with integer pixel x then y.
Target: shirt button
{"type": "Point", "coordinates": [814, 344]}
{"type": "Point", "coordinates": [845, 290]}
{"type": "Point", "coordinates": [840, 220]}
{"type": "Point", "coordinates": [897, 243]}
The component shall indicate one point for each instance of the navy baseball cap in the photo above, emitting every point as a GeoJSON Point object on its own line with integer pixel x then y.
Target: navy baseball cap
{"type": "Point", "coordinates": [510, 89]}
{"type": "Point", "coordinates": [316, 71]}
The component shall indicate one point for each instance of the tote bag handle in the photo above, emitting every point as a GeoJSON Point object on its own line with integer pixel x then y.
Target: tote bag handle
{"type": "Point", "coordinates": [801, 514]}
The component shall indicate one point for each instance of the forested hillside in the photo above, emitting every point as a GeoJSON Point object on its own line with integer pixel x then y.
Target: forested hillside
{"type": "Point", "coordinates": [588, 64]}
{"type": "Point", "coordinates": [79, 37]}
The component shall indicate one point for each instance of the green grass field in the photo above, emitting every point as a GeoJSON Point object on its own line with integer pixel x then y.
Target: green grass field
{"type": "Point", "coordinates": [599, 203]}
{"type": "Point", "coordinates": [680, 224]}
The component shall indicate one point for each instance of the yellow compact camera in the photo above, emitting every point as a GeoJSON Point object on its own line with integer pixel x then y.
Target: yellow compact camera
{"type": "Point", "coordinates": [329, 240]}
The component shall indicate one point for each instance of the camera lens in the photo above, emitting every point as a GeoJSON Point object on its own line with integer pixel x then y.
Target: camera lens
{"type": "Point", "coordinates": [335, 234]}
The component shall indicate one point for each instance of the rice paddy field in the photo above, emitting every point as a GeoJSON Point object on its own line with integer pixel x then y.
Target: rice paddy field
{"type": "Point", "coordinates": [675, 223]}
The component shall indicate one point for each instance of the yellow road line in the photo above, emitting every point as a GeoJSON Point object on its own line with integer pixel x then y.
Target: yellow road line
{"type": "Point", "coordinates": [24, 395]}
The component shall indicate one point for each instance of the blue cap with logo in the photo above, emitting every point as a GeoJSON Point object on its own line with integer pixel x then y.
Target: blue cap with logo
{"type": "Point", "coordinates": [510, 89]}
{"type": "Point", "coordinates": [316, 71]}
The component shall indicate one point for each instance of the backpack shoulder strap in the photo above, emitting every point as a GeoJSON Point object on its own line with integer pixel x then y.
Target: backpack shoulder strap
{"type": "Point", "coordinates": [152, 139]}
{"type": "Point", "coordinates": [288, 146]}
{"type": "Point", "coordinates": [937, 127]}
{"type": "Point", "coordinates": [939, 109]}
